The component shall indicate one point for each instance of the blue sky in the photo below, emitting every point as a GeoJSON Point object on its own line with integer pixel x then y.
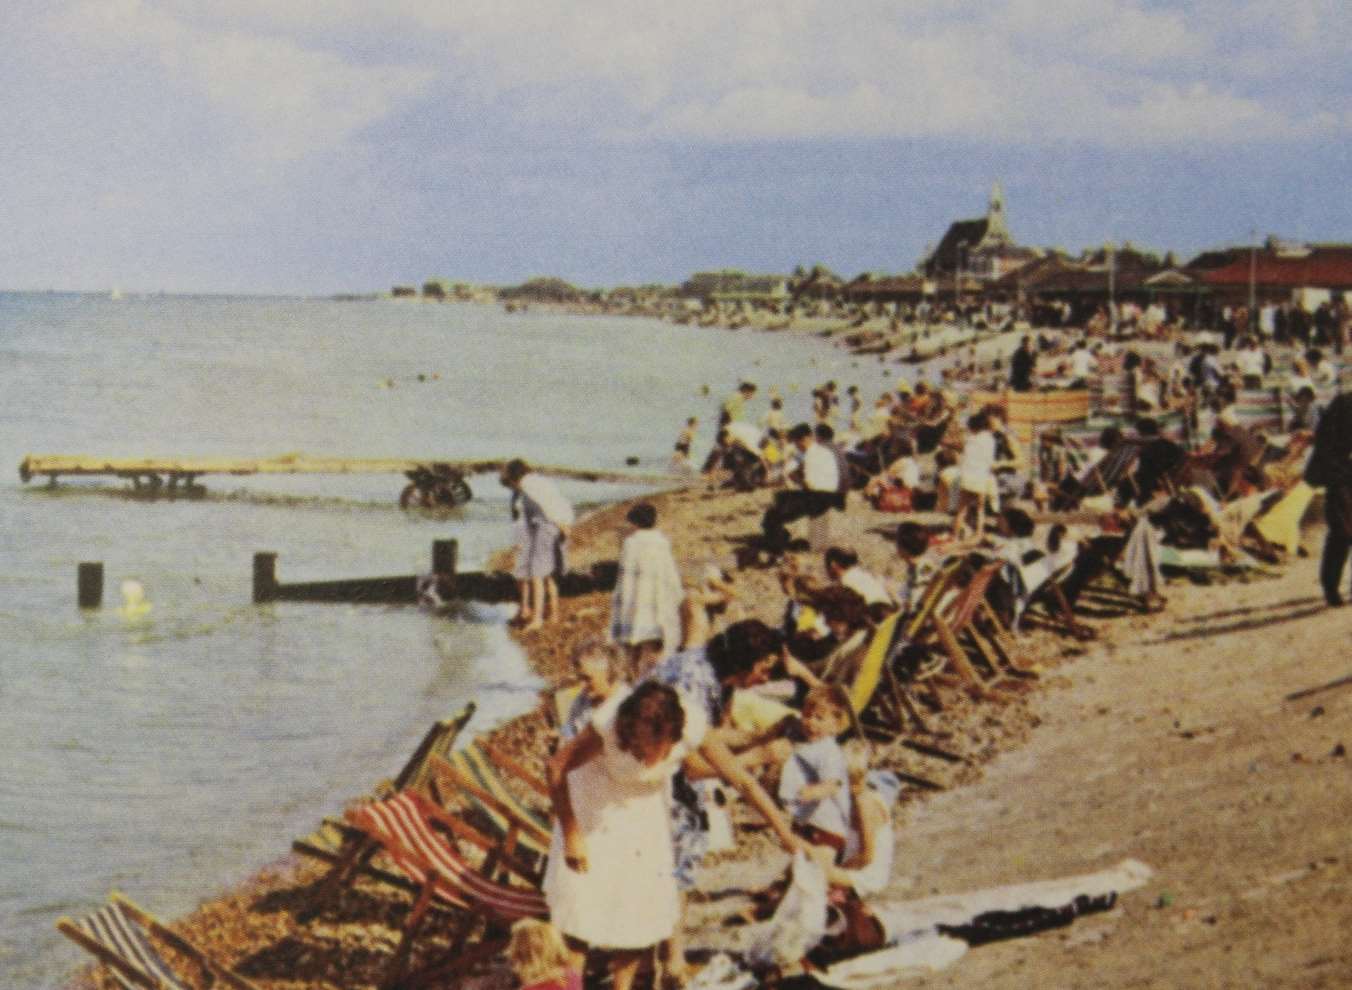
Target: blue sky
{"type": "Point", "coordinates": [249, 145]}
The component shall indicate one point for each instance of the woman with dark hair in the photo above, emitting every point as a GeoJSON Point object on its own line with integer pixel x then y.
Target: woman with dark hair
{"type": "Point", "coordinates": [546, 517]}
{"type": "Point", "coordinates": [706, 677]}
{"type": "Point", "coordinates": [610, 882]}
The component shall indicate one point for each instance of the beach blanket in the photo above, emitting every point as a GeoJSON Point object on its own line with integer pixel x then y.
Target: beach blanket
{"type": "Point", "coordinates": [648, 592]}
{"type": "Point", "coordinates": [920, 932]}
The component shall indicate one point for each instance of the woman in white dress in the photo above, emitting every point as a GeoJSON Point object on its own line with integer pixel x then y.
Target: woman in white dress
{"type": "Point", "coordinates": [611, 880]}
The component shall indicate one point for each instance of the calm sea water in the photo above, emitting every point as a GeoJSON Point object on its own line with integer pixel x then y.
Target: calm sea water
{"type": "Point", "coordinates": [171, 754]}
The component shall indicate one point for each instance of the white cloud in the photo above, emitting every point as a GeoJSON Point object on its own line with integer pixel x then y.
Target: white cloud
{"type": "Point", "coordinates": [1099, 71]}
{"type": "Point", "coordinates": [280, 99]}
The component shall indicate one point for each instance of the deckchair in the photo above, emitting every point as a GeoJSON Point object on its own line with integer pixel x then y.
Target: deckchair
{"type": "Point", "coordinates": [119, 936]}
{"type": "Point", "coordinates": [476, 770]}
{"type": "Point", "coordinates": [349, 852]}
{"type": "Point", "coordinates": [1039, 584]}
{"type": "Point", "coordinates": [967, 615]}
{"type": "Point", "coordinates": [467, 774]}
{"type": "Point", "coordinates": [886, 712]}
{"type": "Point", "coordinates": [409, 828]}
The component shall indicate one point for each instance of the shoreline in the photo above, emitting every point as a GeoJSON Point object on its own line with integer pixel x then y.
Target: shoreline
{"type": "Point", "coordinates": [251, 921]}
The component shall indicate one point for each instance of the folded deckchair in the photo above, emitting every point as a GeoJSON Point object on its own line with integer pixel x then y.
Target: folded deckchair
{"type": "Point", "coordinates": [119, 936]}
{"type": "Point", "coordinates": [409, 828]}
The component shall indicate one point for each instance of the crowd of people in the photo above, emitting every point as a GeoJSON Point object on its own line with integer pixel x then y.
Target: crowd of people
{"type": "Point", "coordinates": [683, 691]}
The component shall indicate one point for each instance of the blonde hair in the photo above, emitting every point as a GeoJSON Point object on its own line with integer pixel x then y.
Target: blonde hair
{"type": "Point", "coordinates": [828, 697]}
{"type": "Point", "coordinates": [595, 646]}
{"type": "Point", "coordinates": [537, 952]}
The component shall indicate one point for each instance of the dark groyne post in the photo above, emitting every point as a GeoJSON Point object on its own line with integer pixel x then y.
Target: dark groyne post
{"type": "Point", "coordinates": [264, 577]}
{"type": "Point", "coordinates": [89, 581]}
{"type": "Point", "coordinates": [444, 555]}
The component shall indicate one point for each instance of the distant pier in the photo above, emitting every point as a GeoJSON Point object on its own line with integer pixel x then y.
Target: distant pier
{"type": "Point", "coordinates": [180, 473]}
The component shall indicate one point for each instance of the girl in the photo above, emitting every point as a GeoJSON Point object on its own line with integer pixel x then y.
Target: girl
{"type": "Point", "coordinates": [601, 669]}
{"type": "Point", "coordinates": [539, 959]}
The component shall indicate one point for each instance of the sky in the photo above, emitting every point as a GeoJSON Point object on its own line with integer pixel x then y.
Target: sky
{"type": "Point", "coordinates": [345, 146]}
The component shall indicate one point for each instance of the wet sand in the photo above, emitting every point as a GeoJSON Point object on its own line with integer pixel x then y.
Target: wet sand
{"type": "Point", "coordinates": [1167, 740]}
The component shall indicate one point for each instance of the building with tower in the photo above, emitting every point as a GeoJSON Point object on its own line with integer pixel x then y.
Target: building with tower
{"type": "Point", "coordinates": [981, 249]}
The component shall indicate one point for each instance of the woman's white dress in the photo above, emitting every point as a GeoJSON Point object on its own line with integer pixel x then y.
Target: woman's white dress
{"type": "Point", "coordinates": [627, 898]}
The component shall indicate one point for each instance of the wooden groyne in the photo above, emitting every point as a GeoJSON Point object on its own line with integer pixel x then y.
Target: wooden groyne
{"type": "Point", "coordinates": [445, 583]}
{"type": "Point", "coordinates": [173, 472]}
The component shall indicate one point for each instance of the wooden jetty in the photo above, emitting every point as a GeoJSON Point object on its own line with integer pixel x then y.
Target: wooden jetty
{"type": "Point", "coordinates": [444, 584]}
{"type": "Point", "coordinates": [172, 472]}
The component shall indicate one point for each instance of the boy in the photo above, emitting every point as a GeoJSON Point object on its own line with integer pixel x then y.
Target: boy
{"type": "Point", "coordinates": [814, 785]}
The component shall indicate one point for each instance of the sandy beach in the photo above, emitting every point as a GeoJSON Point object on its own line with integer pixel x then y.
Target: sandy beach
{"type": "Point", "coordinates": [1165, 740]}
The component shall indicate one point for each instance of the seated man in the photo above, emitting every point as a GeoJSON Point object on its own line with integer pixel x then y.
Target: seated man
{"type": "Point", "coordinates": [816, 490]}
{"type": "Point", "coordinates": [1159, 458]}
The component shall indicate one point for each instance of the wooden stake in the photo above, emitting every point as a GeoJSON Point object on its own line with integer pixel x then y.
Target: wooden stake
{"type": "Point", "coordinates": [89, 584]}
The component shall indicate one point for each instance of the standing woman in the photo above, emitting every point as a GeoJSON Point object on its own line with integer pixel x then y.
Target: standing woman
{"type": "Point", "coordinates": [546, 517]}
{"type": "Point", "coordinates": [976, 476]}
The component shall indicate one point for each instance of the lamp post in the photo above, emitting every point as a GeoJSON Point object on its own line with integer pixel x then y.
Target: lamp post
{"type": "Point", "coordinates": [1111, 252]}
{"type": "Point", "coordinates": [957, 279]}
{"type": "Point", "coordinates": [1253, 279]}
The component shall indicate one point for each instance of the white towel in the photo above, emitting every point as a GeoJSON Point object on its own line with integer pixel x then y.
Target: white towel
{"type": "Point", "coordinates": [648, 592]}
{"type": "Point", "coordinates": [546, 495]}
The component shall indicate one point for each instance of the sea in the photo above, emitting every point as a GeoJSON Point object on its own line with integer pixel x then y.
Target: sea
{"type": "Point", "coordinates": [170, 751]}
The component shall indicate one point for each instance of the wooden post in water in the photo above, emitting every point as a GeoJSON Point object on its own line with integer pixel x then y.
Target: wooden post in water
{"type": "Point", "coordinates": [264, 577]}
{"type": "Point", "coordinates": [444, 555]}
{"type": "Point", "coordinates": [89, 583]}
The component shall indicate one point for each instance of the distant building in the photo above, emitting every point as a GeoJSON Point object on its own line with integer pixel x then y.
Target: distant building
{"type": "Point", "coordinates": [981, 249]}
{"type": "Point", "coordinates": [1276, 271]}
{"type": "Point", "coordinates": [731, 285]}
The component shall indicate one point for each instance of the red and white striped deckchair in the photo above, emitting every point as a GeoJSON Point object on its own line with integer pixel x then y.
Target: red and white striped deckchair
{"type": "Point", "coordinates": [116, 935]}
{"type": "Point", "coordinates": [405, 827]}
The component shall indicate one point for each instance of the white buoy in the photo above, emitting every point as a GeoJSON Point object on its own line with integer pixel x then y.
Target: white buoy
{"type": "Point", "coordinates": [134, 604]}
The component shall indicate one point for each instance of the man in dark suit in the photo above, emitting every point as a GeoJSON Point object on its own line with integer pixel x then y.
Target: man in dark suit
{"type": "Point", "coordinates": [1330, 467]}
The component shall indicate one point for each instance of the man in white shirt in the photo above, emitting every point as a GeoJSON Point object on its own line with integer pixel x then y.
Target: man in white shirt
{"type": "Point", "coordinates": [1251, 364]}
{"type": "Point", "coordinates": [1081, 362]}
{"type": "Point", "coordinates": [842, 566]}
{"type": "Point", "coordinates": [819, 491]}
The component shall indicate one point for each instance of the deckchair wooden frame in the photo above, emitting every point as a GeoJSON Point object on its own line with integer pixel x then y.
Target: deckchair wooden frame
{"type": "Point", "coordinates": [130, 972]}
{"type": "Point", "coordinates": [1057, 612]}
{"type": "Point", "coordinates": [964, 616]}
{"type": "Point", "coordinates": [448, 779]}
{"type": "Point", "coordinates": [474, 892]}
{"type": "Point", "coordinates": [355, 851]}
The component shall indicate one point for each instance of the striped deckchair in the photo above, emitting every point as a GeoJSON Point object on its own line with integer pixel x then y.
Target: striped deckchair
{"type": "Point", "coordinates": [475, 771]}
{"type": "Point", "coordinates": [118, 936]}
{"type": "Point", "coordinates": [350, 853]}
{"type": "Point", "coordinates": [406, 826]}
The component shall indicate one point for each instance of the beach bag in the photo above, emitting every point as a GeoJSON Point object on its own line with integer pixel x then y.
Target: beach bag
{"type": "Point", "coordinates": [893, 498]}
